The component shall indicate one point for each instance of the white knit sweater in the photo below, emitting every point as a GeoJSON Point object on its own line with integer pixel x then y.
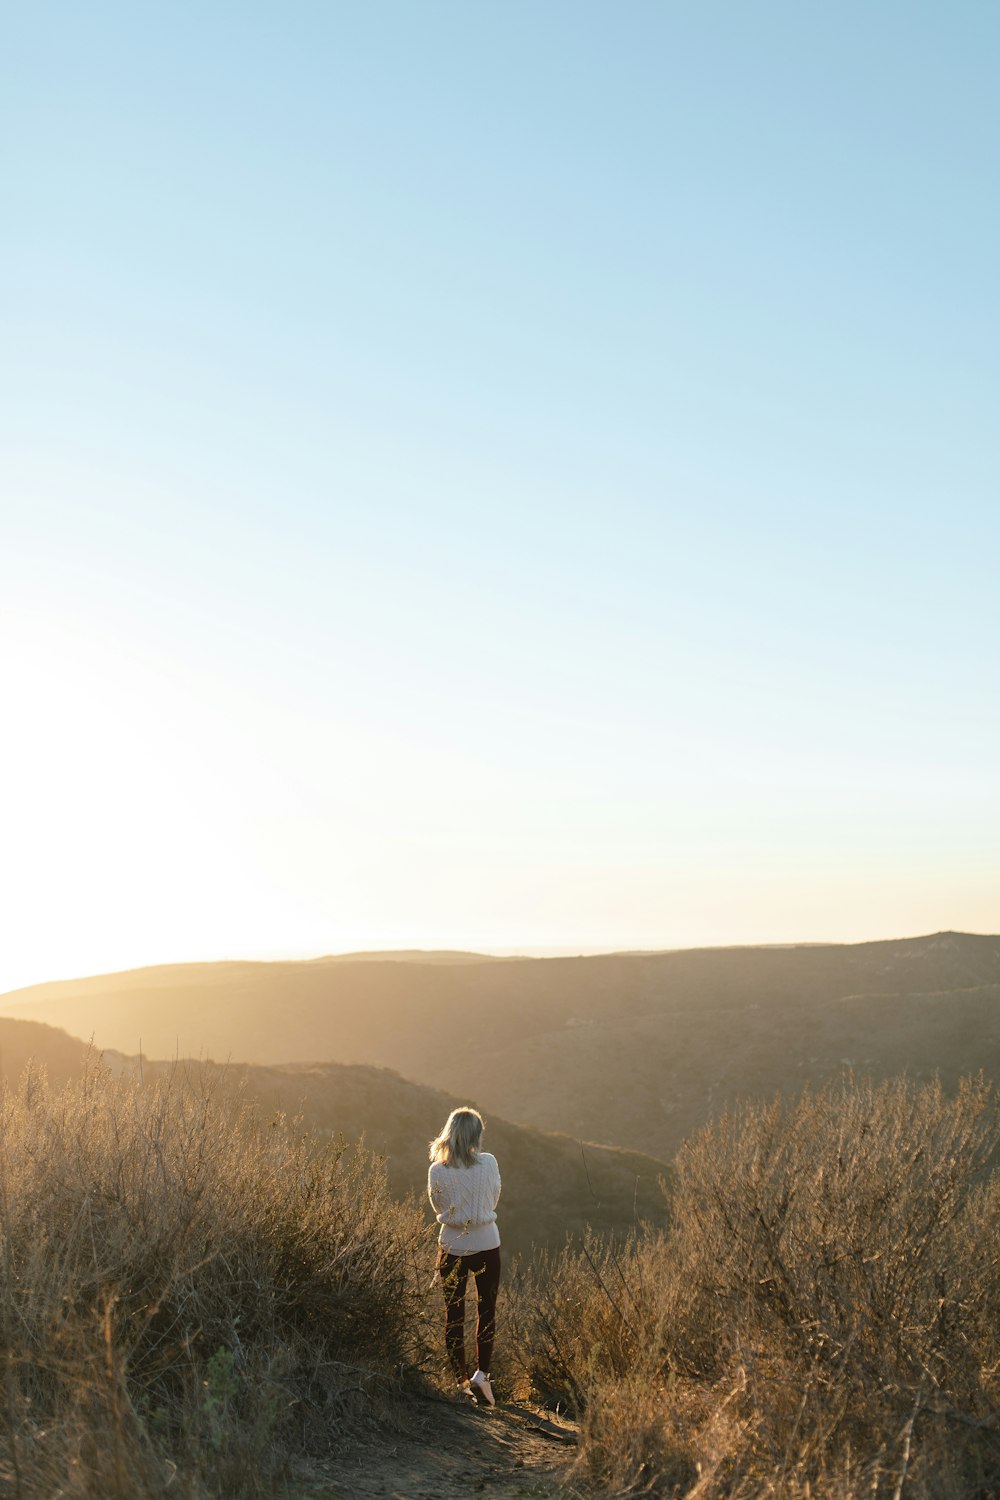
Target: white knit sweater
{"type": "Point", "coordinates": [464, 1200]}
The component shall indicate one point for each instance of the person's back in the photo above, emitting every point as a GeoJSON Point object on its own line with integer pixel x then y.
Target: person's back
{"type": "Point", "coordinates": [464, 1200]}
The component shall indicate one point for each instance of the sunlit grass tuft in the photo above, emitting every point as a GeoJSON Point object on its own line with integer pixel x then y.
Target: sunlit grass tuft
{"type": "Point", "coordinates": [822, 1318]}
{"type": "Point", "coordinates": [190, 1297]}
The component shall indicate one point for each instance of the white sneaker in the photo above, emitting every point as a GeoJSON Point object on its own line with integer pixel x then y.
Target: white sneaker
{"type": "Point", "coordinates": [463, 1390]}
{"type": "Point", "coordinates": [482, 1390]}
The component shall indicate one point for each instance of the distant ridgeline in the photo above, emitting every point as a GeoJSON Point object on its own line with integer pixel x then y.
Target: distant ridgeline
{"type": "Point", "coordinates": [633, 1050]}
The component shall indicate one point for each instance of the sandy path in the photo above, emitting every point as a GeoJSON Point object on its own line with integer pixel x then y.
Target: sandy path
{"type": "Point", "coordinates": [459, 1453]}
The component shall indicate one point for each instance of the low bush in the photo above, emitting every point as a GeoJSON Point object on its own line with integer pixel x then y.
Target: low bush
{"type": "Point", "coordinates": [190, 1295]}
{"type": "Point", "coordinates": [822, 1317]}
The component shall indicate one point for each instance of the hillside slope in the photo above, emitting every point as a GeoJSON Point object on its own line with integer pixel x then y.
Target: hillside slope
{"type": "Point", "coordinates": [62, 1057]}
{"type": "Point", "coordinates": [553, 1186]}
{"type": "Point", "coordinates": [631, 1049]}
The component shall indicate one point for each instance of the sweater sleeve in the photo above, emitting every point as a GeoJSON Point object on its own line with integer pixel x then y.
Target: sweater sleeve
{"type": "Point", "coordinates": [434, 1191]}
{"type": "Point", "coordinates": [440, 1201]}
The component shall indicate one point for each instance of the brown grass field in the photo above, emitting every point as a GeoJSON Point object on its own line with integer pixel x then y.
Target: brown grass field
{"type": "Point", "coordinates": [822, 1318]}
{"type": "Point", "coordinates": [212, 1289]}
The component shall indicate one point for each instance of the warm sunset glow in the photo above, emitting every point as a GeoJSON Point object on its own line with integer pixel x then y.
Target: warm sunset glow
{"type": "Point", "coordinates": [514, 526]}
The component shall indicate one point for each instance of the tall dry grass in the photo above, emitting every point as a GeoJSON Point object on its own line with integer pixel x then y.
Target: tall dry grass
{"type": "Point", "coordinates": [189, 1296]}
{"type": "Point", "coordinates": [822, 1318]}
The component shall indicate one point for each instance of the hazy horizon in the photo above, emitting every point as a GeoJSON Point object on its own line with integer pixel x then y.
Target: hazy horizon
{"type": "Point", "coordinates": [496, 480]}
{"type": "Point", "coordinates": [264, 956]}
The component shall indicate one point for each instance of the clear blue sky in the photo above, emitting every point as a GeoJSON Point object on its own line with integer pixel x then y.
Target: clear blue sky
{"type": "Point", "coordinates": [514, 476]}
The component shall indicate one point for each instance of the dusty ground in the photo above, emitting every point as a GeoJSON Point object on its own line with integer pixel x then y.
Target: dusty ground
{"type": "Point", "coordinates": [453, 1452]}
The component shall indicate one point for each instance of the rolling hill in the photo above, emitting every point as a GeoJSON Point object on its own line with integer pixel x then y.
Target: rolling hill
{"type": "Point", "coordinates": [633, 1050]}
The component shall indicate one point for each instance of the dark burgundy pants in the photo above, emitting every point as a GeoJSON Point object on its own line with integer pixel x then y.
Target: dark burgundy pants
{"type": "Point", "coordinates": [455, 1270]}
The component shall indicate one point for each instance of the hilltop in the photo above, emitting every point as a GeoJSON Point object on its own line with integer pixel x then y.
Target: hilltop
{"type": "Point", "coordinates": [634, 1050]}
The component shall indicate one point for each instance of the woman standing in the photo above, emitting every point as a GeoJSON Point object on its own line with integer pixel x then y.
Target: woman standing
{"type": "Point", "coordinates": [463, 1185]}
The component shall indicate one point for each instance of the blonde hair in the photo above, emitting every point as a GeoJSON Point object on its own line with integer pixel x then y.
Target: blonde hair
{"type": "Point", "coordinates": [458, 1143]}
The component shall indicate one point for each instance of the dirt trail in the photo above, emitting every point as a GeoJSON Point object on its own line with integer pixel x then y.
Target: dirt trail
{"type": "Point", "coordinates": [460, 1453]}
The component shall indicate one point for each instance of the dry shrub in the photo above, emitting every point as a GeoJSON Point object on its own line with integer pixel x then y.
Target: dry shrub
{"type": "Point", "coordinates": [189, 1294]}
{"type": "Point", "coordinates": [822, 1317]}
{"type": "Point", "coordinates": [635, 1438]}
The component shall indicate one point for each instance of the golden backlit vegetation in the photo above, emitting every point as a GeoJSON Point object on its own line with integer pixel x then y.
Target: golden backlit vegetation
{"type": "Point", "coordinates": [199, 1301]}
{"type": "Point", "coordinates": [822, 1319]}
{"type": "Point", "coordinates": [193, 1300]}
{"type": "Point", "coordinates": [211, 1287]}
